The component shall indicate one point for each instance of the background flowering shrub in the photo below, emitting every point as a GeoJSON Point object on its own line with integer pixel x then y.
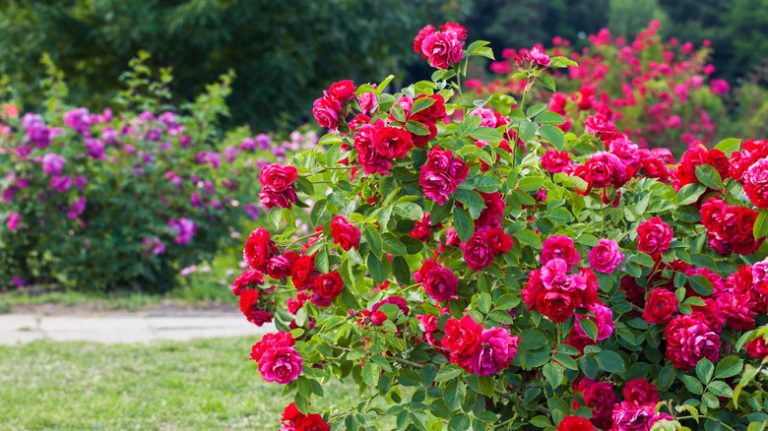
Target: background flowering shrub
{"type": "Point", "coordinates": [128, 198]}
{"type": "Point", "coordinates": [471, 266]}
{"type": "Point", "coordinates": [656, 92]}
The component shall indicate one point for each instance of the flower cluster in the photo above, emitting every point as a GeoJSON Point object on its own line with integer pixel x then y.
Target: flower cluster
{"type": "Point", "coordinates": [477, 350]}
{"type": "Point", "coordinates": [475, 253]}
{"type": "Point", "coordinates": [294, 420]}
{"type": "Point", "coordinates": [442, 48]}
{"type": "Point", "coordinates": [278, 360]}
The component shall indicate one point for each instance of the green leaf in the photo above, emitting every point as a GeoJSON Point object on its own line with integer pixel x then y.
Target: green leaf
{"type": "Point", "coordinates": [454, 394]}
{"type": "Point", "coordinates": [554, 373]}
{"type": "Point", "coordinates": [721, 389]}
{"type": "Point", "coordinates": [560, 62]}
{"type": "Point", "coordinates": [374, 240]}
{"type": "Point", "coordinates": [729, 367]}
{"type": "Point", "coordinates": [370, 374]}
{"type": "Point", "coordinates": [447, 372]}
{"type": "Point", "coordinates": [548, 81]}
{"type": "Point", "coordinates": [690, 193]}
{"type": "Point", "coordinates": [569, 181]}
{"type": "Point", "coordinates": [708, 175]}
{"type": "Point", "coordinates": [553, 135]}
{"type": "Point", "coordinates": [409, 210]}
{"type": "Point", "coordinates": [472, 201]}
{"type": "Point", "coordinates": [666, 377]}
{"type": "Point", "coordinates": [458, 423]}
{"type": "Point", "coordinates": [379, 268]}
{"type": "Point", "coordinates": [589, 327]}
{"type": "Point", "coordinates": [704, 370]}
{"type": "Point", "coordinates": [701, 285]}
{"type": "Point", "coordinates": [421, 104]}
{"type": "Point", "coordinates": [549, 117]}
{"type": "Point", "coordinates": [487, 134]}
{"type": "Point", "coordinates": [541, 421]}
{"type": "Point", "coordinates": [463, 224]}
{"type": "Point", "coordinates": [760, 229]}
{"type": "Point", "coordinates": [469, 125]}
{"type": "Point", "coordinates": [610, 361]}
{"type": "Point", "coordinates": [530, 184]}
{"type": "Point", "coordinates": [729, 146]}
{"type": "Point", "coordinates": [417, 128]}
{"type": "Point", "coordinates": [693, 385]}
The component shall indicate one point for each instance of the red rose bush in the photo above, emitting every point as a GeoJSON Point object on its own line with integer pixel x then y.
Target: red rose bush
{"type": "Point", "coordinates": [469, 265]}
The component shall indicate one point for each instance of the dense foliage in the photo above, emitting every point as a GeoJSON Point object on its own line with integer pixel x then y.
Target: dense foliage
{"type": "Point", "coordinates": [123, 199]}
{"type": "Point", "coordinates": [471, 266]}
{"type": "Point", "coordinates": [282, 52]}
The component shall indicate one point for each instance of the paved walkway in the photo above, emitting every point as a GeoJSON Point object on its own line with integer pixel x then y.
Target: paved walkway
{"type": "Point", "coordinates": [123, 328]}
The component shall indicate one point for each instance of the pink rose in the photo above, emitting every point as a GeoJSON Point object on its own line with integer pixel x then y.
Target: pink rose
{"type": "Point", "coordinates": [554, 161]}
{"type": "Point", "coordinates": [654, 236]}
{"type": "Point", "coordinates": [603, 319]}
{"type": "Point", "coordinates": [326, 111]}
{"type": "Point", "coordinates": [281, 364]}
{"type": "Point", "coordinates": [755, 181]}
{"type": "Point", "coordinates": [477, 251]}
{"type": "Point", "coordinates": [605, 256]}
{"type": "Point", "coordinates": [440, 283]}
{"type": "Point", "coordinates": [497, 350]}
{"type": "Point", "coordinates": [690, 339]}
{"type": "Point", "coordinates": [442, 50]}
{"type": "Point", "coordinates": [13, 222]}
{"type": "Point", "coordinates": [559, 247]}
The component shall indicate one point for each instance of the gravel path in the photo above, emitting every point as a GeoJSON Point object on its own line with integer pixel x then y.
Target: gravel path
{"type": "Point", "coordinates": [123, 328]}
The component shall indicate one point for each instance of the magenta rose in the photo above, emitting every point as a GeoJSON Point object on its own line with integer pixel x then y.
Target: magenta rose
{"type": "Point", "coordinates": [755, 182]}
{"type": "Point", "coordinates": [442, 50]}
{"type": "Point", "coordinates": [326, 111]}
{"type": "Point", "coordinates": [605, 256]}
{"type": "Point", "coordinates": [477, 251]}
{"type": "Point", "coordinates": [654, 236]}
{"type": "Point", "coordinates": [281, 364]}
{"type": "Point", "coordinates": [440, 283]}
{"type": "Point", "coordinates": [559, 247]}
{"type": "Point", "coordinates": [603, 319]}
{"type": "Point", "coordinates": [497, 350]}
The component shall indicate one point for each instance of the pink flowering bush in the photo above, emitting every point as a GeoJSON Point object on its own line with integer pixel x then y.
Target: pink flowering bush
{"type": "Point", "coordinates": [471, 251]}
{"type": "Point", "coordinates": [658, 93]}
{"type": "Point", "coordinates": [468, 265]}
{"type": "Point", "coordinates": [126, 198]}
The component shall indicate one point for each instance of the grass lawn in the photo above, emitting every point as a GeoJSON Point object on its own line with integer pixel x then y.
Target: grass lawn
{"type": "Point", "coordinates": [199, 385]}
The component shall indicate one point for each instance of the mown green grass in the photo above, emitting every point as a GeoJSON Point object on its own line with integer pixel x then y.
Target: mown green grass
{"type": "Point", "coordinates": [199, 385]}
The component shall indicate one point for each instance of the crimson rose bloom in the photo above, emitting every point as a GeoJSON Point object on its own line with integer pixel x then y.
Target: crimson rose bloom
{"type": "Point", "coordinates": [654, 236]}
{"type": "Point", "coordinates": [249, 306]}
{"type": "Point", "coordinates": [441, 174]}
{"type": "Point", "coordinates": [690, 339]}
{"type": "Point", "coordinates": [270, 340]}
{"type": "Point", "coordinates": [276, 185]}
{"type": "Point", "coordinates": [575, 423]}
{"type": "Point", "coordinates": [604, 169]}
{"type": "Point", "coordinates": [326, 111]}
{"type": "Point", "coordinates": [757, 348]}
{"type": "Point", "coordinates": [599, 396]}
{"type": "Point", "coordinates": [556, 305]}
{"type": "Point", "coordinates": [342, 90]}
{"type": "Point", "coordinates": [755, 181]}
{"type": "Point", "coordinates": [423, 33]}
{"type": "Point", "coordinates": [462, 338]}
{"type": "Point", "coordinates": [312, 422]}
{"type": "Point", "coordinates": [601, 126]}
{"type": "Point", "coordinates": [640, 391]}
{"type": "Point", "coordinates": [498, 349]}
{"type": "Point", "coordinates": [493, 212]}
{"type": "Point", "coordinates": [302, 273]}
{"type": "Point", "coordinates": [440, 283]}
{"type": "Point", "coordinates": [559, 247]}
{"type": "Point", "coordinates": [554, 161]}
{"type": "Point", "coordinates": [329, 286]}
{"type": "Point", "coordinates": [370, 160]}
{"type": "Point", "coordinates": [248, 279]}
{"type": "Point", "coordinates": [259, 248]}
{"type": "Point", "coordinates": [344, 234]}
{"type": "Point", "coordinates": [442, 49]}
{"type": "Point", "coordinates": [279, 267]}
{"type": "Point", "coordinates": [422, 230]}
{"type": "Point", "coordinates": [392, 142]}
{"type": "Point", "coordinates": [477, 251]}
{"type": "Point", "coordinates": [500, 242]}
{"type": "Point", "coordinates": [660, 307]}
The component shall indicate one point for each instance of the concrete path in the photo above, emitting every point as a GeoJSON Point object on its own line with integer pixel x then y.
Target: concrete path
{"type": "Point", "coordinates": [123, 328]}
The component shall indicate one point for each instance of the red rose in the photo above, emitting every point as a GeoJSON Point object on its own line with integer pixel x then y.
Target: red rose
{"type": "Point", "coordinates": [392, 142]}
{"type": "Point", "coordinates": [342, 90]}
{"type": "Point", "coordinates": [433, 113]}
{"type": "Point", "coordinates": [302, 272]}
{"type": "Point", "coordinates": [423, 33]}
{"type": "Point", "coordinates": [756, 183]}
{"type": "Point", "coordinates": [422, 230]}
{"type": "Point", "coordinates": [329, 286]}
{"type": "Point", "coordinates": [344, 234]}
{"type": "Point", "coordinates": [248, 279]}
{"type": "Point", "coordinates": [660, 307]}
{"type": "Point", "coordinates": [500, 242]}
{"type": "Point", "coordinates": [462, 337]}
{"type": "Point", "coordinates": [326, 111]}
{"type": "Point", "coordinates": [312, 422]}
{"type": "Point", "coordinates": [654, 236]}
{"type": "Point", "coordinates": [277, 178]}
{"type": "Point", "coordinates": [601, 126]}
{"type": "Point", "coordinates": [259, 248]}
{"type": "Point", "coordinates": [493, 211]}
{"type": "Point", "coordinates": [575, 423]}
{"type": "Point", "coordinates": [367, 155]}
{"type": "Point", "coordinates": [559, 247]}
{"type": "Point", "coordinates": [249, 306]}
{"type": "Point", "coordinates": [279, 267]}
{"type": "Point", "coordinates": [558, 306]}
{"type": "Point", "coordinates": [556, 161]}
{"type": "Point", "coordinates": [604, 169]}
{"type": "Point", "coordinates": [440, 283]}
{"type": "Point", "coordinates": [601, 399]}
{"type": "Point", "coordinates": [442, 50]}
{"type": "Point", "coordinates": [640, 391]}
{"type": "Point", "coordinates": [477, 251]}
{"type": "Point", "coordinates": [456, 29]}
